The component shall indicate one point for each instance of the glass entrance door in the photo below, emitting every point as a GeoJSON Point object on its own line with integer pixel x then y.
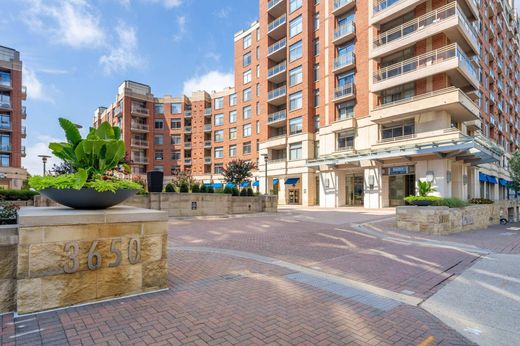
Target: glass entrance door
{"type": "Point", "coordinates": [294, 196]}
{"type": "Point", "coordinates": [399, 187]}
{"type": "Point", "coordinates": [354, 190]}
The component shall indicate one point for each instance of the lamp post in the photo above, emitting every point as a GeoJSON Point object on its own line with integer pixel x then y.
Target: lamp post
{"type": "Point", "coordinates": [44, 160]}
{"type": "Point", "coordinates": [266, 184]}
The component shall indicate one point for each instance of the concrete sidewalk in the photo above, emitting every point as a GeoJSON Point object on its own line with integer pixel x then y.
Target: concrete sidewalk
{"type": "Point", "coordinates": [483, 303]}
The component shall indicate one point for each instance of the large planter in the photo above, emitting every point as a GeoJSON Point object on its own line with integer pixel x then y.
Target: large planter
{"type": "Point", "coordinates": [87, 198]}
{"type": "Point", "coordinates": [422, 202]}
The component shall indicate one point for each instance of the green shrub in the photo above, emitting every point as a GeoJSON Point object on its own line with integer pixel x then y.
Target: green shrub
{"type": "Point", "coordinates": [8, 214]}
{"type": "Point", "coordinates": [228, 190]}
{"type": "Point", "coordinates": [451, 203]}
{"type": "Point", "coordinates": [17, 195]}
{"type": "Point", "coordinates": [480, 201]}
{"type": "Point", "coordinates": [184, 187]}
{"type": "Point", "coordinates": [195, 188]}
{"type": "Point", "coordinates": [411, 199]}
{"type": "Point", "coordinates": [250, 192]}
{"type": "Point", "coordinates": [169, 188]}
{"type": "Point", "coordinates": [425, 188]}
{"type": "Point", "coordinates": [203, 188]}
{"type": "Point", "coordinates": [243, 192]}
{"type": "Point", "coordinates": [211, 189]}
{"type": "Point", "coordinates": [70, 181]}
{"type": "Point", "coordinates": [235, 192]}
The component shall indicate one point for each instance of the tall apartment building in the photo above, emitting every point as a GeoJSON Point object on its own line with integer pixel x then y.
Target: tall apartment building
{"type": "Point", "coordinates": [352, 102]}
{"type": "Point", "coordinates": [12, 111]}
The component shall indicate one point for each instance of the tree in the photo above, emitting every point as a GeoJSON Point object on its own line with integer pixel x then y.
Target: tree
{"type": "Point", "coordinates": [237, 171]}
{"type": "Point", "coordinates": [182, 178]}
{"type": "Point", "coordinates": [514, 168]}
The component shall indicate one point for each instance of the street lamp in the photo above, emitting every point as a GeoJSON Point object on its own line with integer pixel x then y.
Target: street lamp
{"type": "Point", "coordinates": [44, 160]}
{"type": "Point", "coordinates": [266, 184]}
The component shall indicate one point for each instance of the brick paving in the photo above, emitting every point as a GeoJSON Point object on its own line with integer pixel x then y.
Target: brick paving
{"type": "Point", "coordinates": [221, 300]}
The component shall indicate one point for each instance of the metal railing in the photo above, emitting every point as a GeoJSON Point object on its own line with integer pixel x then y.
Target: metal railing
{"type": "Point", "coordinates": [272, 3]}
{"type": "Point", "coordinates": [344, 60]}
{"type": "Point", "coordinates": [187, 145]}
{"type": "Point", "coordinates": [417, 97]}
{"type": "Point", "coordinates": [207, 127]}
{"type": "Point", "coordinates": [187, 114]}
{"type": "Point", "coordinates": [207, 159]}
{"type": "Point", "coordinates": [138, 126]}
{"type": "Point", "coordinates": [187, 129]}
{"type": "Point", "coordinates": [24, 153]}
{"type": "Point", "coordinates": [275, 93]}
{"type": "Point", "coordinates": [139, 142]}
{"type": "Point", "coordinates": [277, 46]}
{"type": "Point", "coordinates": [139, 110]}
{"type": "Point", "coordinates": [139, 159]}
{"type": "Point", "coordinates": [187, 161]}
{"type": "Point", "coordinates": [277, 116]}
{"type": "Point", "coordinates": [426, 60]}
{"type": "Point", "coordinates": [344, 90]}
{"type": "Point", "coordinates": [281, 67]}
{"type": "Point", "coordinates": [345, 29]}
{"type": "Point", "coordinates": [207, 144]}
{"type": "Point", "coordinates": [384, 4]}
{"type": "Point", "coordinates": [24, 131]}
{"type": "Point", "coordinates": [340, 3]}
{"type": "Point", "coordinates": [276, 23]}
{"type": "Point", "coordinates": [5, 147]}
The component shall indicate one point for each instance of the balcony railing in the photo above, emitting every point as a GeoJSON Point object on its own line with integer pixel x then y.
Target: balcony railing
{"type": "Point", "coordinates": [187, 114]}
{"type": "Point", "coordinates": [187, 129]}
{"type": "Point", "coordinates": [272, 3]}
{"type": "Point", "coordinates": [5, 147]}
{"type": "Point", "coordinates": [277, 46]}
{"type": "Point", "coordinates": [139, 110]}
{"type": "Point", "coordinates": [277, 116]}
{"type": "Point", "coordinates": [418, 24]}
{"type": "Point", "coordinates": [344, 91]}
{"type": "Point", "coordinates": [207, 111]}
{"type": "Point", "coordinates": [276, 93]}
{"type": "Point", "coordinates": [24, 153]}
{"type": "Point", "coordinates": [277, 23]}
{"type": "Point", "coordinates": [340, 3]}
{"type": "Point", "coordinates": [384, 4]}
{"type": "Point", "coordinates": [344, 60]}
{"type": "Point", "coordinates": [5, 101]}
{"type": "Point", "coordinates": [24, 112]}
{"type": "Point", "coordinates": [138, 126]}
{"type": "Point", "coordinates": [207, 160]}
{"type": "Point", "coordinates": [187, 161]}
{"type": "Point", "coordinates": [345, 29]}
{"type": "Point", "coordinates": [24, 92]}
{"type": "Point", "coordinates": [207, 127]}
{"type": "Point", "coordinates": [427, 60]}
{"type": "Point", "coordinates": [139, 143]}
{"type": "Point", "coordinates": [24, 131]}
{"type": "Point", "coordinates": [207, 144]}
{"type": "Point", "coordinates": [139, 159]}
{"type": "Point", "coordinates": [281, 67]}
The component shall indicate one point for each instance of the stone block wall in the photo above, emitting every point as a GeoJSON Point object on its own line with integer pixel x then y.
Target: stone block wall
{"type": "Point", "coordinates": [8, 256]}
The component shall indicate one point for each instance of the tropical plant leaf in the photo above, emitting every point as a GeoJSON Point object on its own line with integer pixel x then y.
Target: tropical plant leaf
{"type": "Point", "coordinates": [80, 178]}
{"type": "Point", "coordinates": [105, 131]}
{"type": "Point", "coordinates": [71, 131]}
{"type": "Point", "coordinates": [117, 132]}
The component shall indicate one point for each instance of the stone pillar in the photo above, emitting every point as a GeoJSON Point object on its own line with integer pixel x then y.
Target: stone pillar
{"type": "Point", "coordinates": [68, 257]}
{"type": "Point", "coordinates": [8, 245]}
{"type": "Point", "coordinates": [373, 193]}
{"type": "Point", "coordinates": [328, 189]}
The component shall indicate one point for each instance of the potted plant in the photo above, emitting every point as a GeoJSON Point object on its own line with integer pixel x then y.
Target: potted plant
{"type": "Point", "coordinates": [424, 188]}
{"type": "Point", "coordinates": [93, 185]}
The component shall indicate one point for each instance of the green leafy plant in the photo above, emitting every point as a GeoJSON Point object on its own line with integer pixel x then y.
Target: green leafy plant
{"type": "Point", "coordinates": [237, 171]}
{"type": "Point", "coordinates": [250, 191]}
{"type": "Point", "coordinates": [243, 192]}
{"type": "Point", "coordinates": [195, 188]}
{"type": "Point", "coordinates": [69, 181]}
{"type": "Point", "coordinates": [235, 192]}
{"type": "Point", "coordinates": [203, 188]}
{"type": "Point", "coordinates": [8, 214]}
{"type": "Point", "coordinates": [481, 201]}
{"type": "Point", "coordinates": [211, 189]}
{"type": "Point", "coordinates": [451, 203]}
{"type": "Point", "coordinates": [17, 195]}
{"type": "Point", "coordinates": [228, 190]}
{"type": "Point", "coordinates": [169, 188]}
{"type": "Point", "coordinates": [411, 199]}
{"type": "Point", "coordinates": [424, 188]}
{"type": "Point", "coordinates": [184, 187]}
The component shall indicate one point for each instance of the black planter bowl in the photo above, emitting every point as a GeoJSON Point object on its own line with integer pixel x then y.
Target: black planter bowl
{"type": "Point", "coordinates": [87, 198]}
{"type": "Point", "coordinates": [422, 203]}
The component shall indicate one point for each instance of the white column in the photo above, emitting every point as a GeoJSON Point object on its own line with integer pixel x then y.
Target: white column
{"type": "Point", "coordinates": [373, 187]}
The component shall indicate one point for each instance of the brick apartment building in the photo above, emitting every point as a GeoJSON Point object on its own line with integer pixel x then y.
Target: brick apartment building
{"type": "Point", "coordinates": [350, 103]}
{"type": "Point", "coordinates": [12, 112]}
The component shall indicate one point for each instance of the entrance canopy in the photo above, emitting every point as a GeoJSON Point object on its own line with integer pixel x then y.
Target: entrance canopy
{"type": "Point", "coordinates": [291, 181]}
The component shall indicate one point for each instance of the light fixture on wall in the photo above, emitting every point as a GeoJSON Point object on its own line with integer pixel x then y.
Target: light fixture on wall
{"type": "Point", "coordinates": [448, 177]}
{"type": "Point", "coordinates": [430, 176]}
{"type": "Point", "coordinates": [371, 181]}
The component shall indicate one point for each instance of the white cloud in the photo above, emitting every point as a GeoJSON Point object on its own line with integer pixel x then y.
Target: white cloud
{"type": "Point", "coordinates": [32, 162]}
{"type": "Point", "coordinates": [124, 54]}
{"type": "Point", "coordinates": [213, 80]}
{"type": "Point", "coordinates": [168, 3]}
{"type": "Point", "coordinates": [73, 22]}
{"type": "Point", "coordinates": [223, 13]}
{"type": "Point", "coordinates": [181, 25]}
{"type": "Point", "coordinates": [35, 89]}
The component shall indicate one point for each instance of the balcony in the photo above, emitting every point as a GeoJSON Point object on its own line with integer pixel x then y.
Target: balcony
{"type": "Point", "coordinates": [276, 74]}
{"type": "Point", "coordinates": [24, 112]}
{"type": "Point", "coordinates": [277, 96]}
{"type": "Point", "coordinates": [386, 10]}
{"type": "Point", "coordinates": [207, 144]}
{"type": "Point", "coordinates": [207, 127]}
{"type": "Point", "coordinates": [448, 19]}
{"type": "Point", "coordinates": [187, 129]}
{"type": "Point", "coordinates": [342, 6]}
{"type": "Point", "coordinates": [276, 142]}
{"type": "Point", "coordinates": [187, 114]}
{"type": "Point", "coordinates": [451, 100]}
{"type": "Point", "coordinates": [344, 33]}
{"type": "Point", "coordinates": [344, 62]}
{"type": "Point", "coordinates": [139, 143]}
{"type": "Point", "coordinates": [442, 135]}
{"type": "Point", "coordinates": [276, 7]}
{"type": "Point", "coordinates": [5, 147]}
{"type": "Point", "coordinates": [277, 50]}
{"type": "Point", "coordinates": [207, 160]}
{"type": "Point", "coordinates": [344, 93]}
{"type": "Point", "coordinates": [5, 103]}
{"type": "Point", "coordinates": [187, 161]}
{"type": "Point", "coordinates": [24, 92]}
{"type": "Point", "coordinates": [207, 112]}
{"type": "Point", "coordinates": [277, 28]}
{"type": "Point", "coordinates": [187, 145]}
{"type": "Point", "coordinates": [139, 159]}
{"type": "Point", "coordinates": [277, 119]}
{"type": "Point", "coordinates": [140, 111]}
{"type": "Point", "coordinates": [24, 132]}
{"type": "Point", "coordinates": [450, 60]}
{"type": "Point", "coordinates": [138, 127]}
{"type": "Point", "coordinates": [23, 151]}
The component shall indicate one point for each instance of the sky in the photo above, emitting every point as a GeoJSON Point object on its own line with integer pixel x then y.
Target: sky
{"type": "Point", "coordinates": [76, 53]}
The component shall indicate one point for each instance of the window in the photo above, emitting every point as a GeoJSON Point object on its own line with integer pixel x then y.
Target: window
{"type": "Point", "coordinates": [232, 117]}
{"type": "Point", "coordinates": [316, 122]}
{"type": "Point", "coordinates": [219, 103]}
{"type": "Point", "coordinates": [159, 108]}
{"type": "Point", "coordinates": [316, 97]}
{"type": "Point", "coordinates": [175, 139]}
{"type": "Point", "coordinates": [176, 108]}
{"type": "Point", "coordinates": [159, 168]}
{"type": "Point", "coordinates": [233, 99]}
{"type": "Point", "coordinates": [233, 133]}
{"type": "Point", "coordinates": [159, 124]}
{"type": "Point", "coordinates": [405, 128]}
{"type": "Point", "coordinates": [316, 21]}
{"type": "Point", "coordinates": [257, 89]}
{"type": "Point", "coordinates": [295, 26]}
{"type": "Point", "coordinates": [295, 76]}
{"type": "Point", "coordinates": [316, 72]}
{"type": "Point", "coordinates": [295, 151]}
{"type": "Point", "coordinates": [295, 51]}
{"type": "Point", "coordinates": [346, 110]}
{"type": "Point", "coordinates": [247, 94]}
{"type": "Point", "coordinates": [247, 41]}
{"type": "Point", "coordinates": [175, 123]}
{"type": "Point", "coordinates": [232, 150]}
{"type": "Point", "coordinates": [219, 136]}
{"type": "Point", "coordinates": [5, 98]}
{"type": "Point", "coordinates": [295, 125]}
{"type": "Point", "coordinates": [258, 126]}
{"type": "Point", "coordinates": [246, 59]}
{"type": "Point", "coordinates": [158, 139]}
{"type": "Point", "coordinates": [345, 140]}
{"type": "Point", "coordinates": [246, 148]}
{"type": "Point", "coordinates": [257, 71]}
{"type": "Point", "coordinates": [159, 155]}
{"type": "Point", "coordinates": [247, 112]}
{"type": "Point", "coordinates": [246, 130]}
{"type": "Point", "coordinates": [316, 46]}
{"type": "Point", "coordinates": [258, 34]}
{"type": "Point", "coordinates": [219, 119]}
{"type": "Point", "coordinates": [219, 169]}
{"type": "Point", "coordinates": [294, 5]}
{"type": "Point", "coordinates": [219, 152]}
{"type": "Point", "coordinates": [176, 155]}
{"type": "Point", "coordinates": [4, 160]}
{"type": "Point", "coordinates": [5, 121]}
{"type": "Point", "coordinates": [5, 78]}
{"type": "Point", "coordinates": [258, 108]}
{"type": "Point", "coordinates": [247, 76]}
{"type": "Point", "coordinates": [257, 53]}
{"type": "Point", "coordinates": [295, 101]}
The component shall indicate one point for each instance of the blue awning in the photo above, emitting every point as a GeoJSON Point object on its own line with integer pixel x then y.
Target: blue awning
{"type": "Point", "coordinates": [275, 181]}
{"type": "Point", "coordinates": [482, 177]}
{"type": "Point", "coordinates": [291, 181]}
{"type": "Point", "coordinates": [217, 185]}
{"type": "Point", "coordinates": [244, 184]}
{"type": "Point", "coordinates": [502, 182]}
{"type": "Point", "coordinates": [256, 183]}
{"type": "Point", "coordinates": [491, 179]}
{"type": "Point", "coordinates": [230, 185]}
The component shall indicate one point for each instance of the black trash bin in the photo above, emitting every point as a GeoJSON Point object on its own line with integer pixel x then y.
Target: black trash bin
{"type": "Point", "coordinates": [155, 181]}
